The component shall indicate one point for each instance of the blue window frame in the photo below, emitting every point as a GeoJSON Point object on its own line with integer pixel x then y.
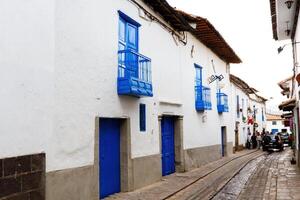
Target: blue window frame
{"type": "Point", "coordinates": [237, 106]}
{"type": "Point", "coordinates": [134, 69]}
{"type": "Point", "coordinates": [222, 102]}
{"type": "Point", "coordinates": [142, 117]}
{"type": "Point", "coordinates": [202, 93]}
{"type": "Point", "coordinates": [262, 114]}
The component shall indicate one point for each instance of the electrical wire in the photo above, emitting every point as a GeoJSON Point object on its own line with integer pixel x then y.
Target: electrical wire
{"type": "Point", "coordinates": [181, 36]}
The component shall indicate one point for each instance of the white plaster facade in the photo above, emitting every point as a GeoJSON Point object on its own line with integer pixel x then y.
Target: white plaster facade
{"type": "Point", "coordinates": [281, 15]}
{"type": "Point", "coordinates": [279, 126]}
{"type": "Point", "coordinates": [240, 118]}
{"type": "Point", "coordinates": [59, 73]}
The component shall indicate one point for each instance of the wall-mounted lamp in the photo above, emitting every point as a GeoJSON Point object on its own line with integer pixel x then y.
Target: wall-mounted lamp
{"type": "Point", "coordinates": [289, 3]}
{"type": "Point", "coordinates": [279, 50]}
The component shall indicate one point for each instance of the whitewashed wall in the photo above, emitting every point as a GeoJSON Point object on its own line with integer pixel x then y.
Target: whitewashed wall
{"type": "Point", "coordinates": [243, 126]}
{"type": "Point", "coordinates": [296, 88]}
{"type": "Point", "coordinates": [279, 125]}
{"type": "Point", "coordinates": [259, 107]}
{"type": "Point", "coordinates": [59, 66]}
{"type": "Point", "coordinates": [203, 128]}
{"type": "Point", "coordinates": [248, 102]}
{"type": "Point", "coordinates": [26, 76]}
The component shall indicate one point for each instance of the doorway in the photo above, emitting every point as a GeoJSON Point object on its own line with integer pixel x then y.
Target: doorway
{"type": "Point", "coordinates": [167, 145]}
{"type": "Point", "coordinates": [223, 141]}
{"type": "Point", "coordinates": [109, 157]}
{"type": "Point", "coordinates": [236, 136]}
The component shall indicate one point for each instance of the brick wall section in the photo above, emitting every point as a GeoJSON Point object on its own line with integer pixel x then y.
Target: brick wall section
{"type": "Point", "coordinates": [23, 177]}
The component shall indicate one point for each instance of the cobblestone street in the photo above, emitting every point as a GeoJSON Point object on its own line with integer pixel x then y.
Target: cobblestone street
{"type": "Point", "coordinates": [249, 175]}
{"type": "Point", "coordinates": [274, 178]}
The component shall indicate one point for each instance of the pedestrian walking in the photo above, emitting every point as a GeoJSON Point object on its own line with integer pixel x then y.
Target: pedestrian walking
{"type": "Point", "coordinates": [248, 142]}
{"type": "Point", "coordinates": [259, 140]}
{"type": "Point", "coordinates": [254, 141]}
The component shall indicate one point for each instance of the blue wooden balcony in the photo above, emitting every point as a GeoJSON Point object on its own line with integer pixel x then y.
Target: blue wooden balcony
{"type": "Point", "coordinates": [202, 98]}
{"type": "Point", "coordinates": [134, 74]}
{"type": "Point", "coordinates": [222, 102]}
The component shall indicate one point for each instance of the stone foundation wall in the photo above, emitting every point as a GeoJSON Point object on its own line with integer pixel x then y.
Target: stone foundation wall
{"type": "Point", "coordinates": [146, 170]}
{"type": "Point", "coordinates": [74, 184]}
{"type": "Point", "coordinates": [198, 157]}
{"type": "Point", "coordinates": [23, 177]}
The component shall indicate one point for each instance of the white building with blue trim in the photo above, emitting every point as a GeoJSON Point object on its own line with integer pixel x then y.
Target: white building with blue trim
{"type": "Point", "coordinates": [116, 94]}
{"type": "Point", "coordinates": [248, 111]}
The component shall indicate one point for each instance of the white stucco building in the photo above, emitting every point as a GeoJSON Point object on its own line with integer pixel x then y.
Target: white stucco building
{"type": "Point", "coordinates": [248, 111]}
{"type": "Point", "coordinates": [275, 123]}
{"type": "Point", "coordinates": [285, 24]}
{"type": "Point", "coordinates": [116, 94]}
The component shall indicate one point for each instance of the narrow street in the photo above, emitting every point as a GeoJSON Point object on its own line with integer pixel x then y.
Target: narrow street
{"type": "Point", "coordinates": [252, 175]}
{"type": "Point", "coordinates": [271, 177]}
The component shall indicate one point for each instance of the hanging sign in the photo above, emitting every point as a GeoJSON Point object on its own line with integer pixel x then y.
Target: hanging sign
{"type": "Point", "coordinates": [212, 78]}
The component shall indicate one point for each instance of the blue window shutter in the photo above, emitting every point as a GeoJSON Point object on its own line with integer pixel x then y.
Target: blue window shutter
{"type": "Point", "coordinates": [128, 32]}
{"type": "Point", "coordinates": [132, 36]}
{"type": "Point", "coordinates": [122, 30]}
{"type": "Point", "coordinates": [198, 79]}
{"type": "Point", "coordinates": [142, 117]}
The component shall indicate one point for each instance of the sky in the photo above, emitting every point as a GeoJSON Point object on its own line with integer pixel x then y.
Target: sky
{"type": "Point", "coordinates": [246, 27]}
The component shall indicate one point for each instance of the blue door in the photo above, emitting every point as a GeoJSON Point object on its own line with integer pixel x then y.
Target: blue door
{"type": "Point", "coordinates": [223, 141]}
{"type": "Point", "coordinates": [109, 157]}
{"type": "Point", "coordinates": [168, 149]}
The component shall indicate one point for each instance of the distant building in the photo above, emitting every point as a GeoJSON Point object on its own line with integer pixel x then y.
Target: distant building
{"type": "Point", "coordinates": [249, 110]}
{"type": "Point", "coordinates": [275, 123]}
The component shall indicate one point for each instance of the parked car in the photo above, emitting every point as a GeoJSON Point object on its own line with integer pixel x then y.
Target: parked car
{"type": "Point", "coordinates": [285, 138]}
{"type": "Point", "coordinates": [272, 143]}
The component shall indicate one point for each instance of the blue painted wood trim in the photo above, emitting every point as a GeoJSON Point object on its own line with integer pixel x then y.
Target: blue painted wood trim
{"type": "Point", "coordinates": [128, 19]}
{"type": "Point", "coordinates": [198, 66]}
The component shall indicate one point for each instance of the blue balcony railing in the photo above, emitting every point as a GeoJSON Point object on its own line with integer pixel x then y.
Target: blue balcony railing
{"type": "Point", "coordinates": [202, 98]}
{"type": "Point", "coordinates": [134, 74]}
{"type": "Point", "coordinates": [222, 102]}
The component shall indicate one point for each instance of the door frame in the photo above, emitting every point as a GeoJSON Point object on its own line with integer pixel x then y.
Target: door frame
{"type": "Point", "coordinates": [236, 136]}
{"type": "Point", "coordinates": [223, 141]}
{"type": "Point", "coordinates": [178, 141]}
{"type": "Point", "coordinates": [126, 173]}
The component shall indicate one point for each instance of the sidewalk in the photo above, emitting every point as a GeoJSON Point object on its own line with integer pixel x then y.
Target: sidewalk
{"type": "Point", "coordinates": [172, 183]}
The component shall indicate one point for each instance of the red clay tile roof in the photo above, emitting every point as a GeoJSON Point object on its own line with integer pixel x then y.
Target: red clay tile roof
{"type": "Point", "coordinates": [287, 105]}
{"type": "Point", "coordinates": [211, 38]}
{"type": "Point", "coordinates": [242, 84]}
{"type": "Point", "coordinates": [204, 31]}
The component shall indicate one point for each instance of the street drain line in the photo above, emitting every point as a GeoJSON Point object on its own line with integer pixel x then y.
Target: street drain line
{"type": "Point", "coordinates": [201, 177]}
{"type": "Point", "coordinates": [249, 168]}
{"type": "Point", "coordinates": [218, 189]}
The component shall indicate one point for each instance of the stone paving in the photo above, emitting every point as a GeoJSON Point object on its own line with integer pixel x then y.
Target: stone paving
{"type": "Point", "coordinates": [233, 188]}
{"type": "Point", "coordinates": [274, 179]}
{"type": "Point", "coordinates": [175, 182]}
{"type": "Point", "coordinates": [266, 176]}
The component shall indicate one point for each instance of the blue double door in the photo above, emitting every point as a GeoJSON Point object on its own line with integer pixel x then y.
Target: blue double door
{"type": "Point", "coordinates": [109, 157]}
{"type": "Point", "coordinates": [168, 146]}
